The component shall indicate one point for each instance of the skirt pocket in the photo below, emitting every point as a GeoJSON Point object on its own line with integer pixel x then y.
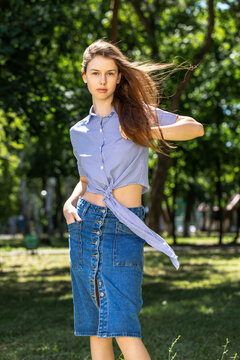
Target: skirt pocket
{"type": "Point", "coordinates": [75, 245]}
{"type": "Point", "coordinates": [128, 248]}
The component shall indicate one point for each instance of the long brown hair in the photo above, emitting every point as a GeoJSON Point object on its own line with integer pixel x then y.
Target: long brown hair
{"type": "Point", "coordinates": [136, 93]}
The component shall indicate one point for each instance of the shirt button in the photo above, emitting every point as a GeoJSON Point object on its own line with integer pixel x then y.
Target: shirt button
{"type": "Point", "coordinates": [101, 294]}
{"type": "Point", "coordinates": [101, 167]}
{"type": "Point", "coordinates": [100, 283]}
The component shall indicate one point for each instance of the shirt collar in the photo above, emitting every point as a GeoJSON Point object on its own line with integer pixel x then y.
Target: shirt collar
{"type": "Point", "coordinates": [92, 114]}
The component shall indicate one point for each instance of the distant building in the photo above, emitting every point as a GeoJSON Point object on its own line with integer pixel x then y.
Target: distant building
{"type": "Point", "coordinates": [210, 222]}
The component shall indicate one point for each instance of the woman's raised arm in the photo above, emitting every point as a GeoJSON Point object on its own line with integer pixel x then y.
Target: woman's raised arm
{"type": "Point", "coordinates": [185, 128]}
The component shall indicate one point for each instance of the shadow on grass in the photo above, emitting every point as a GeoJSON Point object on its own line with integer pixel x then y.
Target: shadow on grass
{"type": "Point", "coordinates": [203, 317]}
{"type": "Point", "coordinates": [199, 302]}
{"type": "Point", "coordinates": [37, 310]}
{"type": "Point", "coordinates": [37, 318]}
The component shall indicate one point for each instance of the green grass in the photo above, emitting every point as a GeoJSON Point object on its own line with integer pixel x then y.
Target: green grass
{"type": "Point", "coordinates": [8, 243]}
{"type": "Point", "coordinates": [200, 302]}
{"type": "Point", "coordinates": [18, 243]}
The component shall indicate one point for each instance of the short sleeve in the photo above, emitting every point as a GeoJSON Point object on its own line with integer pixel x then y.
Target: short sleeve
{"type": "Point", "coordinates": [165, 117]}
{"type": "Point", "coordinates": [81, 171]}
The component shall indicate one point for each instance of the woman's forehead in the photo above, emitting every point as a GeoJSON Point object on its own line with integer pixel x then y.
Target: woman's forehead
{"type": "Point", "coordinates": [100, 62]}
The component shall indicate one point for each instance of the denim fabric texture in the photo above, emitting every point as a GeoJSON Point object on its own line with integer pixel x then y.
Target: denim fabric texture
{"type": "Point", "coordinates": [106, 251]}
{"type": "Point", "coordinates": [109, 162]}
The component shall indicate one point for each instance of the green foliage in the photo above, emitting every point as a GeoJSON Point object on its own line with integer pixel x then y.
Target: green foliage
{"type": "Point", "coordinates": [12, 142]}
{"type": "Point", "coordinates": [42, 94]}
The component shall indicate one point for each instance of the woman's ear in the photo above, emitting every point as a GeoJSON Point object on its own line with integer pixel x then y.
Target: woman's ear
{"type": "Point", "coordinates": [84, 78]}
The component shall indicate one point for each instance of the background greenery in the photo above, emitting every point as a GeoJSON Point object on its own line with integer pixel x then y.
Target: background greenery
{"type": "Point", "coordinates": [42, 95]}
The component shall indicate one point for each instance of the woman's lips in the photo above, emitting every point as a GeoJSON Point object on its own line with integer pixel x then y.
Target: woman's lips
{"type": "Point", "coordinates": [102, 90]}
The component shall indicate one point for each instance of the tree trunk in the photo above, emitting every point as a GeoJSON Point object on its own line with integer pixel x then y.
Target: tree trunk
{"type": "Point", "coordinates": [113, 33]}
{"type": "Point", "coordinates": [158, 181]}
{"type": "Point", "coordinates": [162, 165]}
{"type": "Point", "coordinates": [49, 204]}
{"type": "Point", "coordinates": [219, 197]}
{"type": "Point", "coordinates": [170, 224]}
{"type": "Point", "coordinates": [187, 218]}
{"type": "Point", "coordinates": [35, 205]}
{"type": "Point", "coordinates": [59, 208]}
{"type": "Point", "coordinates": [174, 196]}
{"type": "Point", "coordinates": [25, 206]}
{"type": "Point", "coordinates": [238, 226]}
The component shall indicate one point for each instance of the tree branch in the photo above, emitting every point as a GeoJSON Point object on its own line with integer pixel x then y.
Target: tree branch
{"type": "Point", "coordinates": [113, 33]}
{"type": "Point", "coordinates": [198, 57]}
{"type": "Point", "coordinates": [142, 18]}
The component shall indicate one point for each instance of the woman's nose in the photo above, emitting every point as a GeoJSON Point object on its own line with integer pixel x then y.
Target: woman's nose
{"type": "Point", "coordinates": [102, 79]}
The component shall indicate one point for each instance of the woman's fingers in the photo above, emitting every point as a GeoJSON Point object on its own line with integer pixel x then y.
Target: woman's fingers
{"type": "Point", "coordinates": [70, 213]}
{"type": "Point", "coordinates": [77, 217]}
{"type": "Point", "coordinates": [73, 218]}
{"type": "Point", "coordinates": [69, 221]}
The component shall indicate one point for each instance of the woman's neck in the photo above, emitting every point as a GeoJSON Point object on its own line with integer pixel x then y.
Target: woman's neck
{"type": "Point", "coordinates": [102, 108]}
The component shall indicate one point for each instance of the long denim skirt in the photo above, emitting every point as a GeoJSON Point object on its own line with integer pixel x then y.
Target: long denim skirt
{"type": "Point", "coordinates": [106, 266]}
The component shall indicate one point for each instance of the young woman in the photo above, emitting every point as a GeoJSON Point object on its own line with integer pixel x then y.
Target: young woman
{"type": "Point", "coordinates": [104, 213]}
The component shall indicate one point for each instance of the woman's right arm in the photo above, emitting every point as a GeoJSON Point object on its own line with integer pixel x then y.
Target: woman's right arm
{"type": "Point", "coordinates": [70, 206]}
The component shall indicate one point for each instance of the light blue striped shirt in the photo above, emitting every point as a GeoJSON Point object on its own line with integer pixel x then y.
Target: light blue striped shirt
{"type": "Point", "coordinates": [109, 161]}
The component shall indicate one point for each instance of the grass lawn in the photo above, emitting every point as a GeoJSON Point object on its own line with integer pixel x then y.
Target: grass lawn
{"type": "Point", "coordinates": [200, 302]}
{"type": "Point", "coordinates": [9, 242]}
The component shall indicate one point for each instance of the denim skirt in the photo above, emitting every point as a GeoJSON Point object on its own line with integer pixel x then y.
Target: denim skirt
{"type": "Point", "coordinates": [106, 266]}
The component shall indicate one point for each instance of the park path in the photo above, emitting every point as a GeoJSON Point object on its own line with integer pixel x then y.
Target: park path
{"type": "Point", "coordinates": [185, 248]}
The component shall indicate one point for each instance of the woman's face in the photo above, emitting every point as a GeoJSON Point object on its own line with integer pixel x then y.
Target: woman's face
{"type": "Point", "coordinates": [102, 73]}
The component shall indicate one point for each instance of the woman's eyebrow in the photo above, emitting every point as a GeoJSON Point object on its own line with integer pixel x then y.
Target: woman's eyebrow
{"type": "Point", "coordinates": [99, 70]}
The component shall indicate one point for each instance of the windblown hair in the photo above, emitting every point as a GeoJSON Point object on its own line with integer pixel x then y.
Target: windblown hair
{"type": "Point", "coordinates": [136, 93]}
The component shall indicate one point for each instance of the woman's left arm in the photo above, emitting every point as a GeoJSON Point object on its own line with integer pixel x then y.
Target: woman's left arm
{"type": "Point", "coordinates": [185, 128]}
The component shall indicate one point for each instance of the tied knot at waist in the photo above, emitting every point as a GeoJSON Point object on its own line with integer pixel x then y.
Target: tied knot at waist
{"type": "Point", "coordinates": [108, 192]}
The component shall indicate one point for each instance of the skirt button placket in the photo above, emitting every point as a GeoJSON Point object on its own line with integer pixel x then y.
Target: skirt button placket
{"type": "Point", "coordinates": [95, 250]}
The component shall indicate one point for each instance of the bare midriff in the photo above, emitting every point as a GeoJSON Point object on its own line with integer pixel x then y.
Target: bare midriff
{"type": "Point", "coordinates": [129, 196]}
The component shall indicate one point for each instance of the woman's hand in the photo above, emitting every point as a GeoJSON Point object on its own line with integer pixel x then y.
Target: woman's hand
{"type": "Point", "coordinates": [122, 133]}
{"type": "Point", "coordinates": [70, 212]}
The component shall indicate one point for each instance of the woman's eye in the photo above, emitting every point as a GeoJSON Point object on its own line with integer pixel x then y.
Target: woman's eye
{"type": "Point", "coordinates": [95, 73]}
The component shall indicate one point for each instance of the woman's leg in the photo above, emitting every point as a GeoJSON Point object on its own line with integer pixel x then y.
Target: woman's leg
{"type": "Point", "coordinates": [132, 348]}
{"type": "Point", "coordinates": [101, 348]}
